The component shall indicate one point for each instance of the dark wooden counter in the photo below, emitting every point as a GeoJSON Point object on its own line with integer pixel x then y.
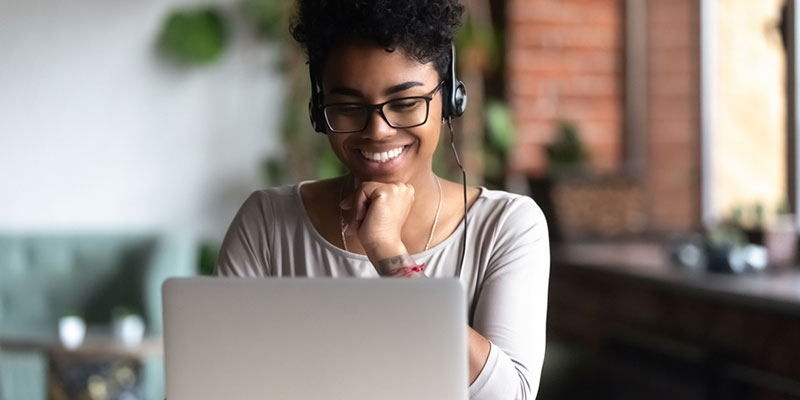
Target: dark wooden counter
{"type": "Point", "coordinates": [736, 330]}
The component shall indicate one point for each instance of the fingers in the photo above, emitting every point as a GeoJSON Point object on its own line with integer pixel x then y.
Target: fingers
{"type": "Point", "coordinates": [361, 203]}
{"type": "Point", "coordinates": [358, 202]}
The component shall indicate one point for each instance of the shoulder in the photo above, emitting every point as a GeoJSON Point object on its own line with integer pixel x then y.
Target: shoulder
{"type": "Point", "coordinates": [510, 221]}
{"type": "Point", "coordinates": [277, 193]}
{"type": "Point", "coordinates": [266, 207]}
{"type": "Point", "coordinates": [509, 208]}
{"type": "Point", "coordinates": [517, 232]}
{"type": "Point", "coordinates": [271, 201]}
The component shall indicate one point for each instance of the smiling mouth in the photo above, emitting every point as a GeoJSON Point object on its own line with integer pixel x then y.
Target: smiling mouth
{"type": "Point", "coordinates": [383, 157]}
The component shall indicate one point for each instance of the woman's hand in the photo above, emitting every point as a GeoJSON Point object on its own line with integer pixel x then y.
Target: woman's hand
{"type": "Point", "coordinates": [376, 213]}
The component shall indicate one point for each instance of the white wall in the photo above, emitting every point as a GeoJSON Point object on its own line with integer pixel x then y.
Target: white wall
{"type": "Point", "coordinates": [99, 132]}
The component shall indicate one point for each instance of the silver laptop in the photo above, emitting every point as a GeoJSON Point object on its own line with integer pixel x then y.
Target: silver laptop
{"type": "Point", "coordinates": [315, 338]}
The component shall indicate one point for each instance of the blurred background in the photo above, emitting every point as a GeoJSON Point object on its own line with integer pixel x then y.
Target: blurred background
{"type": "Point", "coordinates": [659, 137]}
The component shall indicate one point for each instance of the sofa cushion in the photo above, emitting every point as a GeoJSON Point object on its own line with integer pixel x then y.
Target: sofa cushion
{"type": "Point", "coordinates": [47, 276]}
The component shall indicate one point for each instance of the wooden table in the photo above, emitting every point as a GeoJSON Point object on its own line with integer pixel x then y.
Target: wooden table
{"type": "Point", "coordinates": [775, 290]}
{"type": "Point", "coordinates": [738, 331]}
{"type": "Point", "coordinates": [100, 368]}
{"type": "Point", "coordinates": [97, 343]}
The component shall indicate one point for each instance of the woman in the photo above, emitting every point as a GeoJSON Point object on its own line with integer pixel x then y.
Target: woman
{"type": "Point", "coordinates": [381, 71]}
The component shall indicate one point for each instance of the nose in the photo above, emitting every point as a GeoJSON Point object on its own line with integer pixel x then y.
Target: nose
{"type": "Point", "coordinates": [378, 127]}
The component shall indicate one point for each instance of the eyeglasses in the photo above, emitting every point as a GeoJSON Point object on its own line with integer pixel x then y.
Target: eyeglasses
{"type": "Point", "coordinates": [405, 112]}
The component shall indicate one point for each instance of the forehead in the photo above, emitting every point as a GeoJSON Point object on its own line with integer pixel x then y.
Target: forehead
{"type": "Point", "coordinates": [364, 66]}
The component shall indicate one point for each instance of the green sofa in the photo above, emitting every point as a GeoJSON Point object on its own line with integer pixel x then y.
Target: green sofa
{"type": "Point", "coordinates": [45, 276]}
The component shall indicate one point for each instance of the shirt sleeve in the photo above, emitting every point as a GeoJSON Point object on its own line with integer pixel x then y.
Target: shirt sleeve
{"type": "Point", "coordinates": [511, 311]}
{"type": "Point", "coordinates": [245, 250]}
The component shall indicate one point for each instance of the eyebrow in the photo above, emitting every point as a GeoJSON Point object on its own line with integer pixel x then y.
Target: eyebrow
{"type": "Point", "coordinates": [391, 90]}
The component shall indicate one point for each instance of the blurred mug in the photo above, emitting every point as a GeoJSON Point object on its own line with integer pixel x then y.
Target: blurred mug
{"type": "Point", "coordinates": [71, 331]}
{"type": "Point", "coordinates": [128, 329]}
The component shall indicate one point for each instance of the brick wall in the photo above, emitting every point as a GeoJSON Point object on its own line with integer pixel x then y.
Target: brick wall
{"type": "Point", "coordinates": [565, 61]}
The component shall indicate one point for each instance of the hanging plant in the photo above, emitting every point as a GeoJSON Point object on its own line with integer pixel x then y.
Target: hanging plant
{"type": "Point", "coordinates": [194, 36]}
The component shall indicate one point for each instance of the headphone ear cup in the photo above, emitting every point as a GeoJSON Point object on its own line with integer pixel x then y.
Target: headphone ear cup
{"type": "Point", "coordinates": [459, 100]}
{"type": "Point", "coordinates": [316, 117]}
{"type": "Point", "coordinates": [315, 106]}
{"type": "Point", "coordinates": [456, 91]}
{"type": "Point", "coordinates": [311, 115]}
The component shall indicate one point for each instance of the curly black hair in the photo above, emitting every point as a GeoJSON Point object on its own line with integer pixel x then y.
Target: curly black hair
{"type": "Point", "coordinates": [424, 29]}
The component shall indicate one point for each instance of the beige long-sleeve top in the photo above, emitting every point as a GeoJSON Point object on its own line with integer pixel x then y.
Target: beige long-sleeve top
{"type": "Point", "coordinates": [505, 272]}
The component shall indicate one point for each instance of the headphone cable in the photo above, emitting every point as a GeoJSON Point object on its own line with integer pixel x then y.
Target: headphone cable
{"type": "Point", "coordinates": [464, 184]}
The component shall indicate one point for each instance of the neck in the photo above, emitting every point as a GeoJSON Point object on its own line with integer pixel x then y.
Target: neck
{"type": "Point", "coordinates": [426, 197]}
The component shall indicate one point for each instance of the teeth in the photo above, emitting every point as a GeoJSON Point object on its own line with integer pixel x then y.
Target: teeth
{"type": "Point", "coordinates": [382, 157]}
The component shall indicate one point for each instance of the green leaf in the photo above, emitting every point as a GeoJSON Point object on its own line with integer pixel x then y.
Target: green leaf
{"type": "Point", "coordinates": [274, 171]}
{"type": "Point", "coordinates": [329, 165]}
{"type": "Point", "coordinates": [501, 125]}
{"type": "Point", "coordinates": [567, 154]}
{"type": "Point", "coordinates": [194, 36]}
{"type": "Point", "coordinates": [207, 257]}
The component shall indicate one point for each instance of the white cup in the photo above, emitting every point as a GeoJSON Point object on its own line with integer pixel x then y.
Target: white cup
{"type": "Point", "coordinates": [71, 331]}
{"type": "Point", "coordinates": [128, 329]}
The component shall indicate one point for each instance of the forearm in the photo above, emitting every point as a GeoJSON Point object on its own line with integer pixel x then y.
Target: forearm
{"type": "Point", "coordinates": [478, 353]}
{"type": "Point", "coordinates": [389, 258]}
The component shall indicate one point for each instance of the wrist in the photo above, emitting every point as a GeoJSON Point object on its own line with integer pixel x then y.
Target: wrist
{"type": "Point", "coordinates": [394, 261]}
{"type": "Point", "coordinates": [417, 270]}
{"type": "Point", "coordinates": [381, 251]}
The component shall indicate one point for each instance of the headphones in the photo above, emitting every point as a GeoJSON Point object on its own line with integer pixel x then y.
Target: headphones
{"type": "Point", "coordinates": [454, 89]}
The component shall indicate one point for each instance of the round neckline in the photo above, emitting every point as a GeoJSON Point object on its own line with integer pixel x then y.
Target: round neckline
{"type": "Point", "coordinates": [336, 249]}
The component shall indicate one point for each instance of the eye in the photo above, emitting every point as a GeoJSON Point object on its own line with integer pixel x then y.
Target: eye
{"type": "Point", "coordinates": [347, 109]}
{"type": "Point", "coordinates": [401, 105]}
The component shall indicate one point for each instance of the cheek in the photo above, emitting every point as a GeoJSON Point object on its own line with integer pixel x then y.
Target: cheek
{"type": "Point", "coordinates": [337, 145]}
{"type": "Point", "coordinates": [429, 138]}
{"type": "Point", "coordinates": [432, 129]}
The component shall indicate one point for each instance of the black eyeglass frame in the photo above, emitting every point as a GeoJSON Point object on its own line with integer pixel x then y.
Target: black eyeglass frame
{"type": "Point", "coordinates": [379, 107]}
